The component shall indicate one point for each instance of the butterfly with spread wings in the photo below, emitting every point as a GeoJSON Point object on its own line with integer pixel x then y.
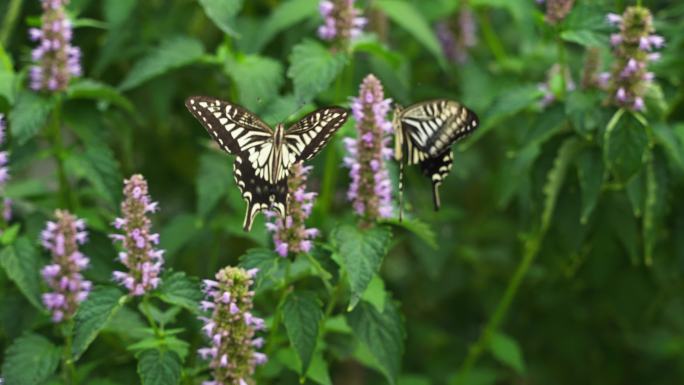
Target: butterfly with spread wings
{"type": "Point", "coordinates": [424, 133]}
{"type": "Point", "coordinates": [263, 156]}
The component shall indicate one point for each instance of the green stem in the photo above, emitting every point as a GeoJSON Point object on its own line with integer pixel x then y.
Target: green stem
{"type": "Point", "coordinates": [10, 19]}
{"type": "Point", "coordinates": [476, 349]}
{"type": "Point", "coordinates": [325, 276]}
{"type": "Point", "coordinates": [561, 63]}
{"type": "Point", "coordinates": [277, 318]}
{"type": "Point", "coordinates": [333, 298]}
{"type": "Point", "coordinates": [491, 38]}
{"type": "Point", "coordinates": [148, 315]}
{"type": "Point", "coordinates": [69, 365]}
{"type": "Point", "coordinates": [65, 199]}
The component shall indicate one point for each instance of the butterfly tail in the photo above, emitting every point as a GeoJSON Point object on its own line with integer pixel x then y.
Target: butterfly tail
{"type": "Point", "coordinates": [250, 214]}
{"type": "Point", "coordinates": [435, 195]}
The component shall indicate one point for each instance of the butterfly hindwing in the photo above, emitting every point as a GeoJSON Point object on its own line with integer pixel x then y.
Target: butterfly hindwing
{"type": "Point", "coordinates": [258, 193]}
{"type": "Point", "coordinates": [307, 137]}
{"type": "Point", "coordinates": [437, 168]}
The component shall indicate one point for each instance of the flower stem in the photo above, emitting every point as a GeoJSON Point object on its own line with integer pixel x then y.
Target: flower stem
{"type": "Point", "coordinates": [532, 245]}
{"type": "Point", "coordinates": [65, 199]}
{"type": "Point", "coordinates": [10, 20]}
{"type": "Point", "coordinates": [277, 317]}
{"type": "Point", "coordinates": [69, 366]}
{"type": "Point", "coordinates": [145, 306]}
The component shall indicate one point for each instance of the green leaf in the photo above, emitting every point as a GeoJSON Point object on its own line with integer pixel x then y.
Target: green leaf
{"type": "Point", "coordinates": [212, 182]}
{"type": "Point", "coordinates": [93, 315]}
{"type": "Point", "coordinates": [591, 173]}
{"type": "Point", "coordinates": [665, 136]}
{"type": "Point", "coordinates": [382, 334]}
{"type": "Point", "coordinates": [30, 360]}
{"type": "Point", "coordinates": [159, 367]}
{"type": "Point", "coordinates": [266, 260]}
{"type": "Point", "coordinates": [9, 235]}
{"type": "Point", "coordinates": [302, 315]}
{"type": "Point", "coordinates": [222, 13]}
{"type": "Point", "coordinates": [179, 289]}
{"type": "Point", "coordinates": [507, 351]}
{"type": "Point", "coordinates": [258, 80]}
{"type": "Point", "coordinates": [585, 38]}
{"type": "Point", "coordinates": [287, 14]}
{"type": "Point", "coordinates": [361, 255]}
{"type": "Point", "coordinates": [29, 114]}
{"type": "Point", "coordinates": [408, 17]}
{"type": "Point", "coordinates": [91, 89]}
{"type": "Point", "coordinates": [172, 53]}
{"type": "Point", "coordinates": [375, 294]}
{"type": "Point", "coordinates": [654, 204]}
{"type": "Point", "coordinates": [313, 68]}
{"type": "Point", "coordinates": [99, 167]}
{"type": "Point", "coordinates": [556, 177]}
{"type": "Point", "coordinates": [116, 12]}
{"type": "Point", "coordinates": [419, 228]}
{"type": "Point", "coordinates": [21, 262]}
{"type": "Point", "coordinates": [624, 146]}
{"type": "Point", "coordinates": [7, 76]}
{"type": "Point", "coordinates": [318, 370]}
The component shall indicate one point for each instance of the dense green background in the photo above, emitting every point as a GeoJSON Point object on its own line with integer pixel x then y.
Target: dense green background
{"type": "Point", "coordinates": [600, 288]}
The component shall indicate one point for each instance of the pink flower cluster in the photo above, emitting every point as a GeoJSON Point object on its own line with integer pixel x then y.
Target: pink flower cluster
{"type": "Point", "coordinates": [290, 234]}
{"type": "Point", "coordinates": [139, 255]}
{"type": "Point", "coordinates": [4, 174]}
{"type": "Point", "coordinates": [341, 21]}
{"type": "Point", "coordinates": [455, 45]}
{"type": "Point", "coordinates": [371, 188]}
{"type": "Point", "coordinates": [231, 328]}
{"type": "Point", "coordinates": [63, 276]}
{"type": "Point", "coordinates": [633, 48]}
{"type": "Point", "coordinates": [55, 59]}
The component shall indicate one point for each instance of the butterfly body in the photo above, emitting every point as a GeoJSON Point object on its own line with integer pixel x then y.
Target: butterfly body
{"type": "Point", "coordinates": [424, 134]}
{"type": "Point", "coordinates": [263, 156]}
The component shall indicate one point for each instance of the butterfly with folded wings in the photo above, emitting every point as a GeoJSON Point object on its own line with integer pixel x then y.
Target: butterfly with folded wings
{"type": "Point", "coordinates": [424, 133]}
{"type": "Point", "coordinates": [263, 156]}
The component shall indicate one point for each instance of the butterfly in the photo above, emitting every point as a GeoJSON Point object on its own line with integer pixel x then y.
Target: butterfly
{"type": "Point", "coordinates": [424, 133]}
{"type": "Point", "coordinates": [263, 155]}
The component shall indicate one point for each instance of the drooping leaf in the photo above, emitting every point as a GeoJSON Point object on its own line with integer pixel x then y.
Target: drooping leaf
{"type": "Point", "coordinates": [590, 172]}
{"type": "Point", "coordinates": [222, 13]}
{"type": "Point", "coordinates": [361, 253]}
{"type": "Point", "coordinates": [159, 367]}
{"type": "Point", "coordinates": [285, 15]}
{"type": "Point", "coordinates": [382, 333]}
{"type": "Point", "coordinates": [408, 17]}
{"type": "Point", "coordinates": [93, 315]}
{"type": "Point", "coordinates": [94, 90]}
{"type": "Point", "coordinates": [29, 115]}
{"type": "Point", "coordinates": [302, 315]}
{"type": "Point", "coordinates": [99, 167]}
{"type": "Point", "coordinates": [506, 350]}
{"type": "Point", "coordinates": [312, 68]}
{"type": "Point", "coordinates": [266, 261]}
{"type": "Point", "coordinates": [556, 177]}
{"type": "Point", "coordinates": [625, 143]}
{"type": "Point", "coordinates": [22, 265]}
{"type": "Point", "coordinates": [375, 294]}
{"type": "Point", "coordinates": [179, 289]}
{"type": "Point", "coordinates": [212, 182]}
{"type": "Point", "coordinates": [172, 53]}
{"type": "Point", "coordinates": [585, 38]}
{"type": "Point", "coordinates": [258, 79]}
{"type": "Point", "coordinates": [30, 360]}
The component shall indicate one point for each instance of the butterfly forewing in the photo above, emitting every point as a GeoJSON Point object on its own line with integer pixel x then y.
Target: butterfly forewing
{"type": "Point", "coordinates": [307, 137]}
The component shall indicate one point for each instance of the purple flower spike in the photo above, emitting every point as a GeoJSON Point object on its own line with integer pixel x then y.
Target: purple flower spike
{"type": "Point", "coordinates": [370, 190]}
{"type": "Point", "coordinates": [341, 21]}
{"type": "Point", "coordinates": [6, 203]}
{"type": "Point", "coordinates": [55, 59]}
{"type": "Point", "coordinates": [290, 234]}
{"type": "Point", "coordinates": [143, 260]}
{"type": "Point", "coordinates": [63, 275]}
{"type": "Point", "coordinates": [633, 49]}
{"type": "Point", "coordinates": [231, 328]}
